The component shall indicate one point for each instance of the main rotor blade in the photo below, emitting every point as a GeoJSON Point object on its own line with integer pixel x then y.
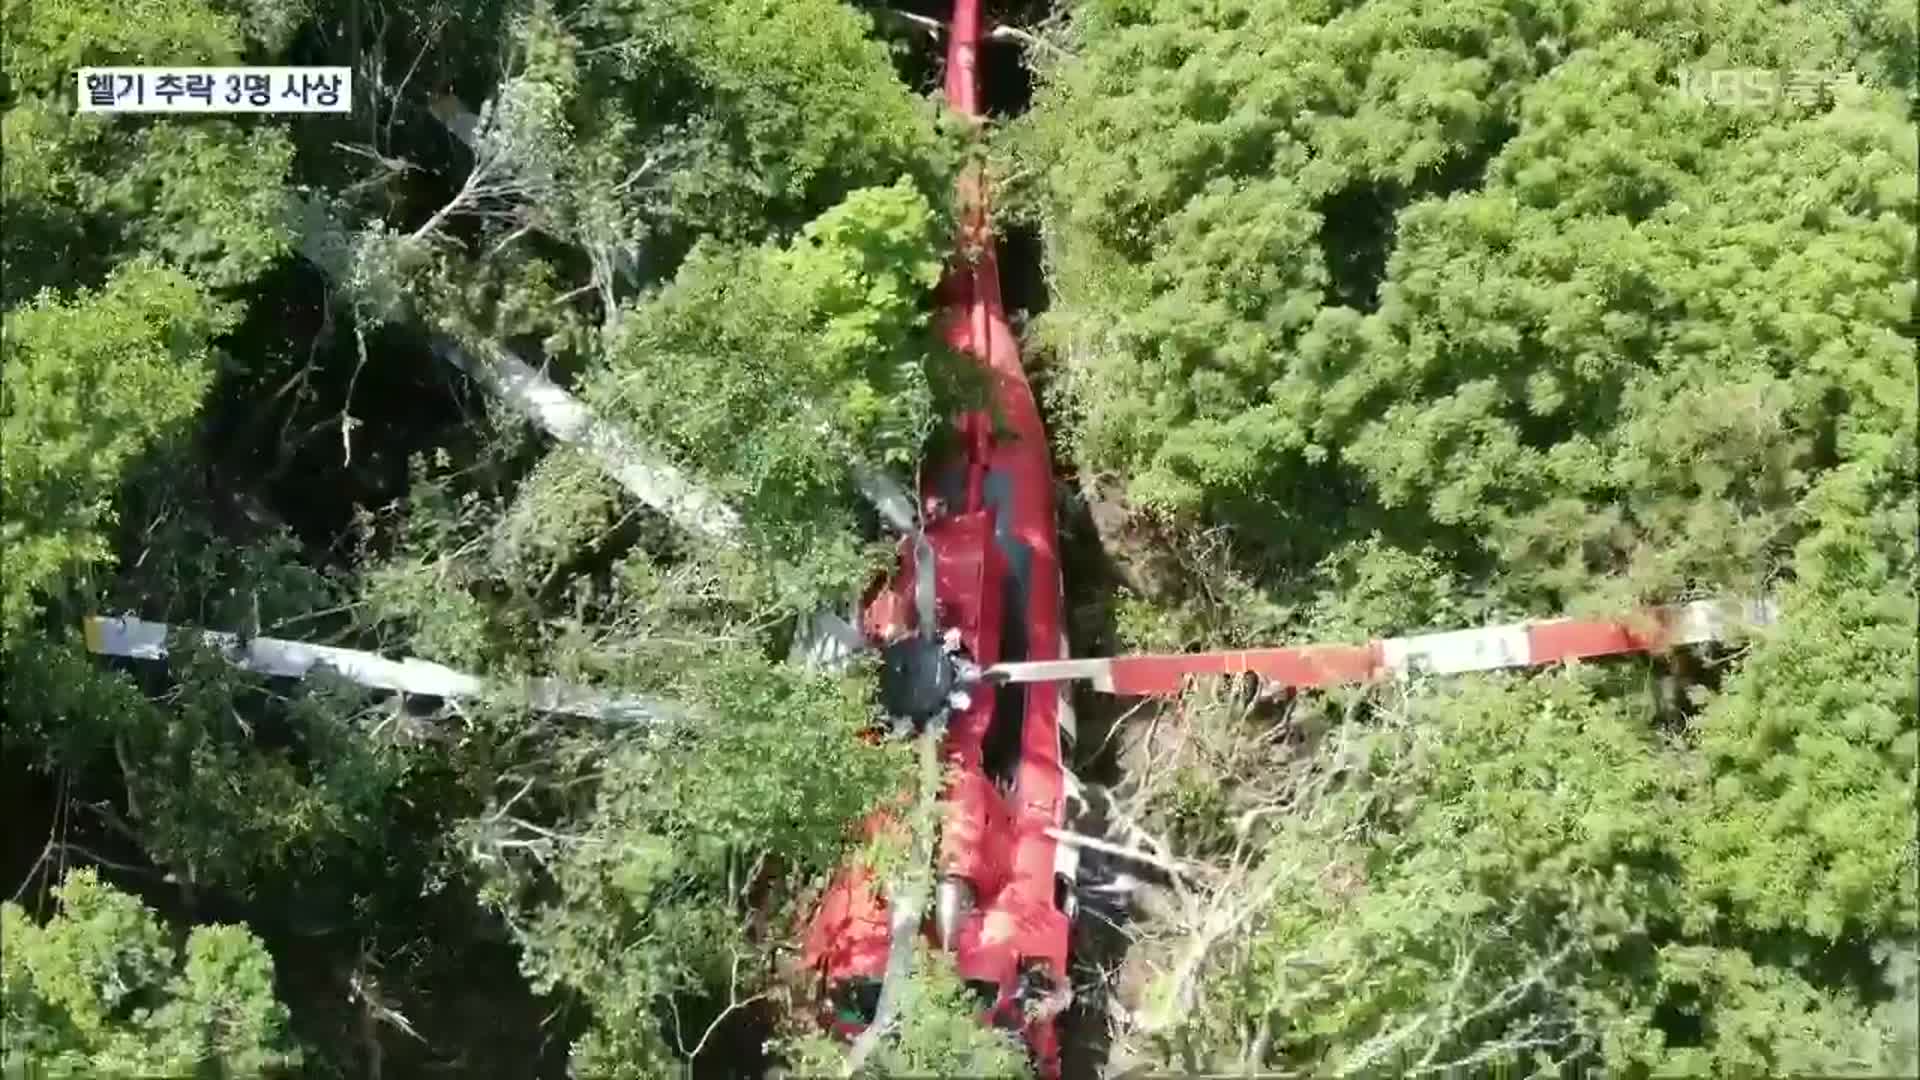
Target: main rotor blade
{"type": "Point", "coordinates": [139, 639]}
{"type": "Point", "coordinates": [826, 640]}
{"type": "Point", "coordinates": [1529, 644]}
{"type": "Point", "coordinates": [641, 470]}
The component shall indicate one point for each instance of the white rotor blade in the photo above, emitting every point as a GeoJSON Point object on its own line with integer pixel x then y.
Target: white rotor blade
{"type": "Point", "coordinates": [139, 639]}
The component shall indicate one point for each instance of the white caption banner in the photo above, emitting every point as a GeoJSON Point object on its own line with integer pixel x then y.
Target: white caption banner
{"type": "Point", "coordinates": [214, 89]}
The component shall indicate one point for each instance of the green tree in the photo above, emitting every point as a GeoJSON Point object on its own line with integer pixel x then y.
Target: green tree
{"type": "Point", "coordinates": [1432, 314]}
{"type": "Point", "coordinates": [1812, 747]}
{"type": "Point", "coordinates": [642, 868]}
{"type": "Point", "coordinates": [145, 227]}
{"type": "Point", "coordinates": [671, 887]}
{"type": "Point", "coordinates": [1490, 877]}
{"type": "Point", "coordinates": [101, 990]}
{"type": "Point", "coordinates": [86, 191]}
{"type": "Point", "coordinates": [771, 371]}
{"type": "Point", "coordinates": [1385, 248]}
{"type": "Point", "coordinates": [90, 383]}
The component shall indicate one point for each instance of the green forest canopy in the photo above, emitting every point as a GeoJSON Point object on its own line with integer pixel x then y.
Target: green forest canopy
{"type": "Point", "coordinates": [1442, 311]}
{"type": "Point", "coordinates": [1371, 317]}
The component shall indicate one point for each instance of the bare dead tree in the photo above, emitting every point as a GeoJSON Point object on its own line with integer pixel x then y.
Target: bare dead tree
{"type": "Point", "coordinates": [598, 221]}
{"type": "Point", "coordinates": [734, 1004]}
{"type": "Point", "coordinates": [516, 141]}
{"type": "Point", "coordinates": [377, 1009]}
{"type": "Point", "coordinates": [1213, 899]}
{"type": "Point", "coordinates": [1198, 937]}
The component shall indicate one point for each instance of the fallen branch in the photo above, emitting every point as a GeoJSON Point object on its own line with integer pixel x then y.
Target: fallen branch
{"type": "Point", "coordinates": [1093, 843]}
{"type": "Point", "coordinates": [734, 1004]}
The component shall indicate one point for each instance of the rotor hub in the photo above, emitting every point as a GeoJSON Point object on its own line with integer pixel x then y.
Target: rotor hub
{"type": "Point", "coordinates": [916, 677]}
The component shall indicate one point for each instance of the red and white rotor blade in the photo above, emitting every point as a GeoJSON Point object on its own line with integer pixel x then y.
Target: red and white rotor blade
{"type": "Point", "coordinates": [1515, 645]}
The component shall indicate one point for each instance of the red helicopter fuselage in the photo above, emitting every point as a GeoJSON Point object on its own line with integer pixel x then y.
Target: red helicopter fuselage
{"type": "Point", "coordinates": [989, 522]}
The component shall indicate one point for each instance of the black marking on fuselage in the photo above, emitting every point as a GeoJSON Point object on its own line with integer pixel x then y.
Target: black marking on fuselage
{"type": "Point", "coordinates": [1000, 750]}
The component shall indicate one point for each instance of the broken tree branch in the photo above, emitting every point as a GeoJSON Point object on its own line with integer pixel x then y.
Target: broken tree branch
{"type": "Point", "coordinates": [931, 27]}
{"type": "Point", "coordinates": [1093, 843]}
{"type": "Point", "coordinates": [1027, 38]}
